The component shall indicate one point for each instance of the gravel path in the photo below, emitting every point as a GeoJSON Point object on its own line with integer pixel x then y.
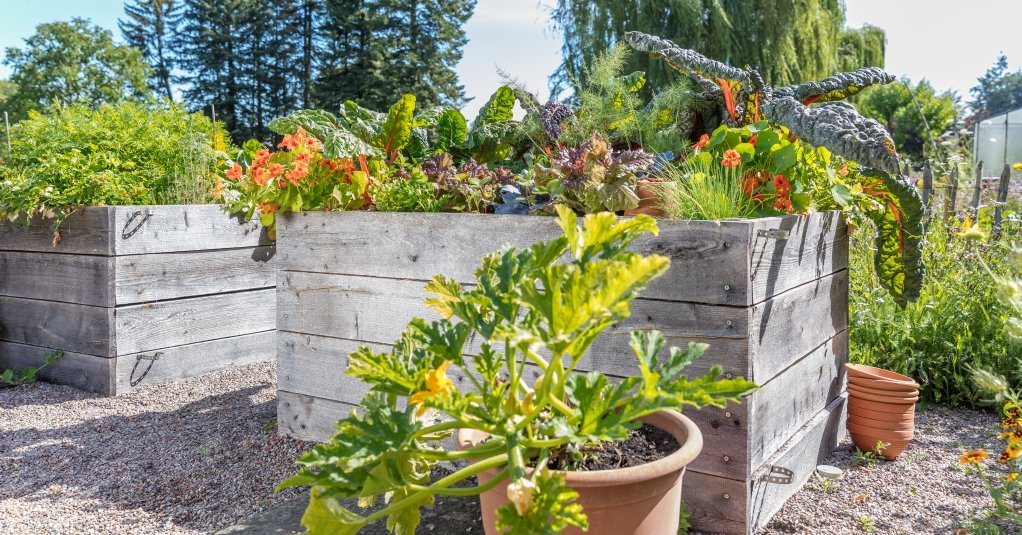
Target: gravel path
{"type": "Point", "coordinates": [924, 491]}
{"type": "Point", "coordinates": [182, 458]}
{"type": "Point", "coordinates": [199, 455]}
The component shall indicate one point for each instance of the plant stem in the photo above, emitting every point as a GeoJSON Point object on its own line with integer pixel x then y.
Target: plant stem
{"type": "Point", "coordinates": [413, 499]}
{"type": "Point", "coordinates": [470, 491]}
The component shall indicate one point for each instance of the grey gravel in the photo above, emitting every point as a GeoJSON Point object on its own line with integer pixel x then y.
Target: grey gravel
{"type": "Point", "coordinates": [202, 454]}
{"type": "Point", "coordinates": [183, 458]}
{"type": "Point", "coordinates": [925, 490]}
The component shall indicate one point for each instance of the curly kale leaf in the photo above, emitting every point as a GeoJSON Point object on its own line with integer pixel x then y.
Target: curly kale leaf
{"type": "Point", "coordinates": [898, 215]}
{"type": "Point", "coordinates": [552, 510]}
{"type": "Point", "coordinates": [338, 141]}
{"type": "Point", "coordinates": [837, 87]}
{"type": "Point", "coordinates": [838, 127]}
{"type": "Point", "coordinates": [551, 115]}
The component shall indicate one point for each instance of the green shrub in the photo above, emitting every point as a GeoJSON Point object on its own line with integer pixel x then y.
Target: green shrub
{"type": "Point", "coordinates": [956, 325]}
{"type": "Point", "coordinates": [128, 153]}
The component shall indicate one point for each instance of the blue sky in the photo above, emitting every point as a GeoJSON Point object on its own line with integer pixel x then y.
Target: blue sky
{"type": "Point", "coordinates": [949, 42]}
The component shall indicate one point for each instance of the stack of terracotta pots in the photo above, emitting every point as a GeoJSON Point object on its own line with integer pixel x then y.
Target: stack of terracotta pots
{"type": "Point", "coordinates": [881, 408]}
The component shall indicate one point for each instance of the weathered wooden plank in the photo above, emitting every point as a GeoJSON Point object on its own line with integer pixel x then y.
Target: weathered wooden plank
{"type": "Point", "coordinates": [87, 231]}
{"type": "Point", "coordinates": [377, 310]}
{"type": "Point", "coordinates": [52, 276]}
{"type": "Point", "coordinates": [816, 246]}
{"type": "Point", "coordinates": [86, 372]}
{"type": "Point", "coordinates": [802, 454]}
{"type": "Point", "coordinates": [787, 326]}
{"type": "Point", "coordinates": [733, 507]}
{"type": "Point", "coordinates": [65, 326]}
{"type": "Point", "coordinates": [709, 259]}
{"type": "Point", "coordinates": [156, 277]}
{"type": "Point", "coordinates": [163, 324]}
{"type": "Point", "coordinates": [314, 366]}
{"type": "Point", "coordinates": [784, 404]}
{"type": "Point", "coordinates": [181, 228]}
{"type": "Point", "coordinates": [307, 417]}
{"type": "Point", "coordinates": [194, 359]}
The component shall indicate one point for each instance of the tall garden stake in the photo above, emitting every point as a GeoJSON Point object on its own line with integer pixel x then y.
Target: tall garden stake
{"type": "Point", "coordinates": [952, 194]}
{"type": "Point", "coordinates": [1002, 197]}
{"type": "Point", "coordinates": [976, 188]}
{"type": "Point", "coordinates": [7, 127]}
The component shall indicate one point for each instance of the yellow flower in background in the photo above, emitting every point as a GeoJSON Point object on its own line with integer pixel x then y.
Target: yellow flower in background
{"type": "Point", "coordinates": [971, 232]}
{"type": "Point", "coordinates": [1011, 477]}
{"type": "Point", "coordinates": [437, 384]}
{"type": "Point", "coordinates": [1017, 166]}
{"type": "Point", "coordinates": [1009, 453]}
{"type": "Point", "coordinates": [973, 457]}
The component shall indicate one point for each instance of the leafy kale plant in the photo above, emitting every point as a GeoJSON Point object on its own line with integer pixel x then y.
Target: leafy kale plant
{"type": "Point", "coordinates": [738, 97]}
{"type": "Point", "coordinates": [527, 311]}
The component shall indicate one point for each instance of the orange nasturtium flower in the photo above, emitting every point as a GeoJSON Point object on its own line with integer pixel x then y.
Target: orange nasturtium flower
{"type": "Point", "coordinates": [437, 384]}
{"type": "Point", "coordinates": [275, 170]}
{"type": "Point", "coordinates": [260, 175]}
{"type": "Point", "coordinates": [731, 159]}
{"type": "Point", "coordinates": [703, 140]}
{"type": "Point", "coordinates": [234, 172]}
{"type": "Point", "coordinates": [974, 457]}
{"type": "Point", "coordinates": [781, 183]}
{"type": "Point", "coordinates": [267, 208]}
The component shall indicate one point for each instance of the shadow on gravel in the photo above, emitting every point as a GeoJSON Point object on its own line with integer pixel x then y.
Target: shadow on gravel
{"type": "Point", "coordinates": [202, 465]}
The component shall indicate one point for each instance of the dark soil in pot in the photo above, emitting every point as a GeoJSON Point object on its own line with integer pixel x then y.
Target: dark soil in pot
{"type": "Point", "coordinates": [644, 445]}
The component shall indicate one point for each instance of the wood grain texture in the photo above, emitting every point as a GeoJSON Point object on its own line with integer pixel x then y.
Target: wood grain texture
{"type": "Point", "coordinates": [194, 359]}
{"type": "Point", "coordinates": [50, 276]}
{"type": "Point", "coordinates": [87, 231]}
{"type": "Point", "coordinates": [711, 262]}
{"type": "Point", "coordinates": [707, 256]}
{"type": "Point", "coordinates": [309, 418]}
{"type": "Point", "coordinates": [816, 246]}
{"type": "Point", "coordinates": [66, 326]}
{"type": "Point", "coordinates": [85, 372]}
{"type": "Point", "coordinates": [787, 326]}
{"type": "Point", "coordinates": [163, 324]}
{"type": "Point", "coordinates": [803, 452]}
{"type": "Point", "coordinates": [377, 310]}
{"type": "Point", "coordinates": [182, 228]}
{"type": "Point", "coordinates": [733, 507]}
{"type": "Point", "coordinates": [157, 277]}
{"type": "Point", "coordinates": [784, 404]}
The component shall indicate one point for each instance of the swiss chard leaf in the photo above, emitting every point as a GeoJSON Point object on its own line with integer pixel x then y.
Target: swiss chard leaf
{"type": "Point", "coordinates": [396, 131]}
{"type": "Point", "coordinates": [338, 141]}
{"type": "Point", "coordinates": [451, 130]}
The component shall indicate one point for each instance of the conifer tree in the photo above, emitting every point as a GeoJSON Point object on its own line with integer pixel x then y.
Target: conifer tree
{"type": "Point", "coordinates": [149, 26]}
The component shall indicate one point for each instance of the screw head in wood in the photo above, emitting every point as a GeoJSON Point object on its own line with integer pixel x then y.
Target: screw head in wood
{"type": "Point", "coordinates": [727, 287]}
{"type": "Point", "coordinates": [727, 458]}
{"type": "Point", "coordinates": [727, 496]}
{"type": "Point", "coordinates": [727, 414]}
{"type": "Point", "coordinates": [728, 376]}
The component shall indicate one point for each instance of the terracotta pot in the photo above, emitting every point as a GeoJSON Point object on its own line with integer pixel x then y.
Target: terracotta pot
{"type": "Point", "coordinates": [890, 417]}
{"type": "Point", "coordinates": [868, 442]}
{"type": "Point", "coordinates": [649, 203]}
{"type": "Point", "coordinates": [638, 500]}
{"type": "Point", "coordinates": [862, 374]}
{"type": "Point", "coordinates": [889, 425]}
{"type": "Point", "coordinates": [886, 434]}
{"type": "Point", "coordinates": [857, 405]}
{"type": "Point", "coordinates": [883, 396]}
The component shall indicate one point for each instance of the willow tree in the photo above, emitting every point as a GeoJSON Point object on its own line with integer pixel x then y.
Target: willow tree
{"type": "Point", "coordinates": [788, 42]}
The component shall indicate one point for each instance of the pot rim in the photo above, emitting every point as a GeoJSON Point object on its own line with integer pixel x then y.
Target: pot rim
{"type": "Point", "coordinates": [880, 375]}
{"type": "Point", "coordinates": [899, 395]}
{"type": "Point", "coordinates": [683, 429]}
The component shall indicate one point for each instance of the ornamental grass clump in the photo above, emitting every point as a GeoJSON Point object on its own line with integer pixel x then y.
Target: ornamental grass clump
{"type": "Point", "coordinates": [528, 311]}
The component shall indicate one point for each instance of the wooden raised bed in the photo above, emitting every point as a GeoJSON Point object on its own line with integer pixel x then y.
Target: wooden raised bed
{"type": "Point", "coordinates": [768, 295]}
{"type": "Point", "coordinates": [188, 284]}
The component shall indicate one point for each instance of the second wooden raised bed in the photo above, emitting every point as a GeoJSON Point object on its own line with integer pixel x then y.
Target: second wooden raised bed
{"type": "Point", "coordinates": [768, 295]}
{"type": "Point", "coordinates": [136, 294]}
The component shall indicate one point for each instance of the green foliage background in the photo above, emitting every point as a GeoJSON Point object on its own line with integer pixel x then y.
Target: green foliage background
{"type": "Point", "coordinates": [126, 153]}
{"type": "Point", "coordinates": [894, 107]}
{"type": "Point", "coordinates": [957, 323]}
{"type": "Point", "coordinates": [73, 61]}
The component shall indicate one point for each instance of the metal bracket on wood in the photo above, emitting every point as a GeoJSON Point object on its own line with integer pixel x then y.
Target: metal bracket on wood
{"type": "Point", "coordinates": [151, 358]}
{"type": "Point", "coordinates": [784, 478]}
{"type": "Point", "coordinates": [144, 214]}
{"type": "Point", "coordinates": [773, 234]}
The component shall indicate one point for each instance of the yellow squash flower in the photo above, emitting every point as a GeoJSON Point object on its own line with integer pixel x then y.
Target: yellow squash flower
{"type": "Point", "coordinates": [520, 493]}
{"type": "Point", "coordinates": [437, 384]}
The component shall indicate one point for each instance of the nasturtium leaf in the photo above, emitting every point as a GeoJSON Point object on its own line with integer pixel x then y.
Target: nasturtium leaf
{"type": "Point", "coordinates": [783, 158]}
{"type": "Point", "coordinates": [841, 194]}
{"type": "Point", "coordinates": [765, 140]}
{"type": "Point", "coordinates": [747, 151]}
